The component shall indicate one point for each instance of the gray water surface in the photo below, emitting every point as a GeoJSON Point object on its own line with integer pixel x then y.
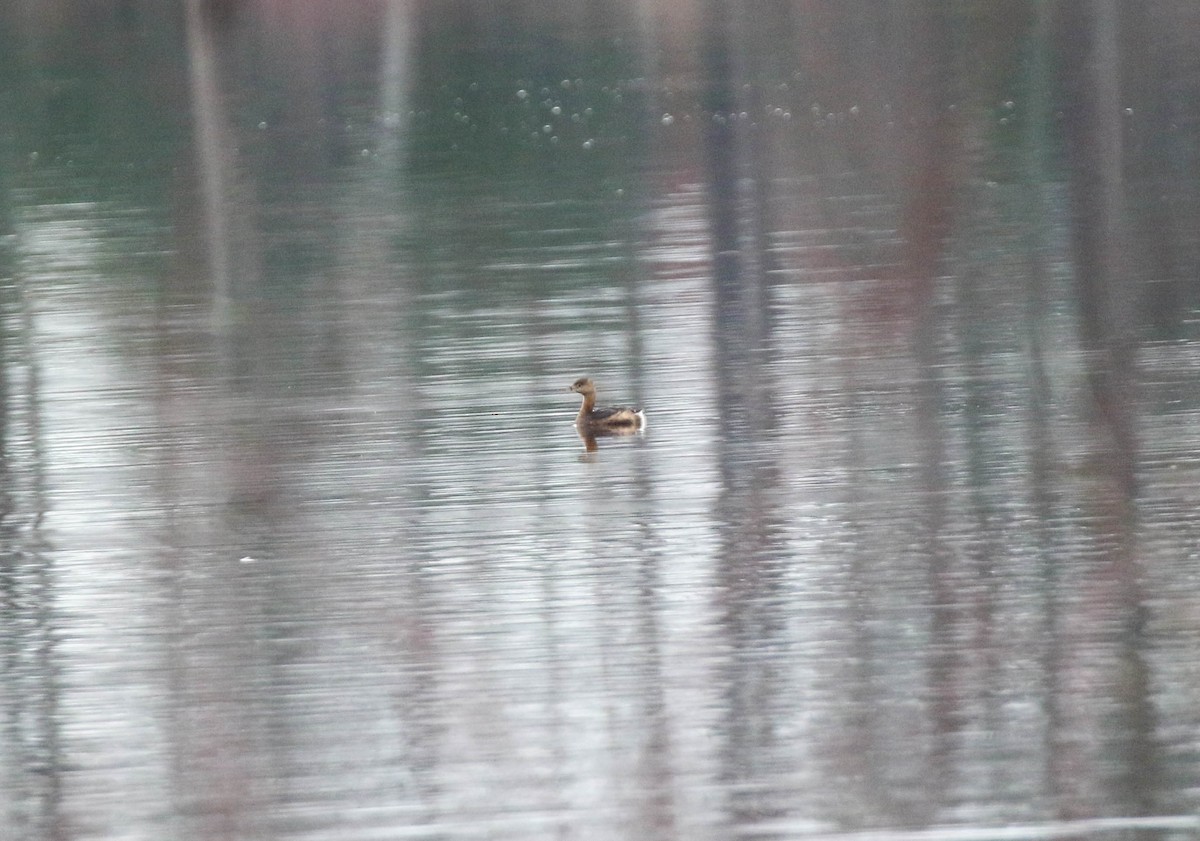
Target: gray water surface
{"type": "Point", "coordinates": [299, 540]}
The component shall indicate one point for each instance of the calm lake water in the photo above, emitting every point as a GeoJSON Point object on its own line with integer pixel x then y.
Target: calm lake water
{"type": "Point", "coordinates": [297, 537]}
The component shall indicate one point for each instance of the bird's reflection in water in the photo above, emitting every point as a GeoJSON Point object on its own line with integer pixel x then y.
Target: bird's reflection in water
{"type": "Point", "coordinates": [589, 435]}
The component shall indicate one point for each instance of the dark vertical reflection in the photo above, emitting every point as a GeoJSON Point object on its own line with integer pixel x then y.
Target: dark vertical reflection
{"type": "Point", "coordinates": [720, 130]}
{"type": "Point", "coordinates": [1094, 129]}
{"type": "Point", "coordinates": [29, 715]}
{"type": "Point", "coordinates": [1041, 398]}
{"type": "Point", "coordinates": [1108, 630]}
{"type": "Point", "coordinates": [739, 234]}
{"type": "Point", "coordinates": [31, 759]}
{"type": "Point", "coordinates": [214, 145]}
{"type": "Point", "coordinates": [720, 145]}
{"type": "Point", "coordinates": [750, 549]}
{"type": "Point", "coordinates": [933, 164]}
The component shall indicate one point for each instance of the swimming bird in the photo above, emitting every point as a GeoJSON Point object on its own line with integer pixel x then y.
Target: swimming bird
{"type": "Point", "coordinates": [609, 419]}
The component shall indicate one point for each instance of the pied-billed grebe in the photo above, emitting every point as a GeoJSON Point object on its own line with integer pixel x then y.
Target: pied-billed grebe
{"type": "Point", "coordinates": [614, 418]}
